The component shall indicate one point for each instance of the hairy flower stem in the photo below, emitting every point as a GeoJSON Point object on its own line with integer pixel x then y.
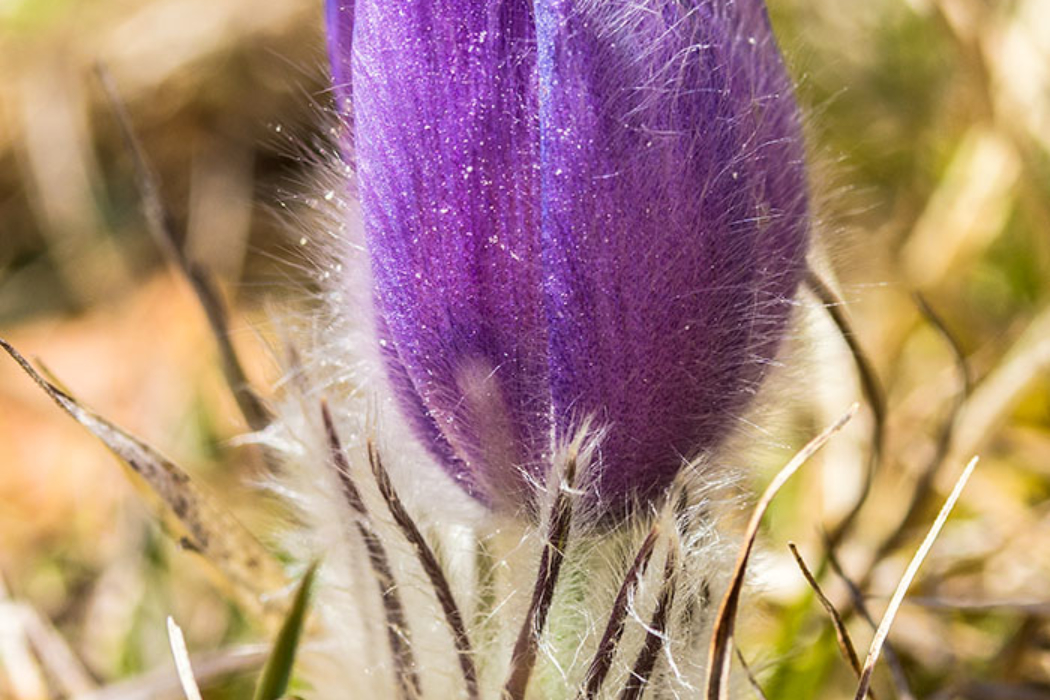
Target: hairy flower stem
{"type": "Point", "coordinates": [429, 562]}
{"type": "Point", "coordinates": [398, 633]}
{"type": "Point", "coordinates": [655, 637]}
{"type": "Point", "coordinates": [603, 657]}
{"type": "Point", "coordinates": [523, 658]}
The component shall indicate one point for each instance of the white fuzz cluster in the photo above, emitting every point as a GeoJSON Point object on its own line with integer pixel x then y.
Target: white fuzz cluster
{"type": "Point", "coordinates": [381, 630]}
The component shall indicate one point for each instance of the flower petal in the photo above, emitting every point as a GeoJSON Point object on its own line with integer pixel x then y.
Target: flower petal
{"type": "Point", "coordinates": [447, 155]}
{"type": "Point", "coordinates": [674, 223]}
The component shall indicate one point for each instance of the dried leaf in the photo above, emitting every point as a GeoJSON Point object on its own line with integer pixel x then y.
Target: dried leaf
{"type": "Point", "coordinates": [909, 575]}
{"type": "Point", "coordinates": [199, 523]}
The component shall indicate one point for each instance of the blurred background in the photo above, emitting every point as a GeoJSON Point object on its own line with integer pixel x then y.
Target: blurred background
{"type": "Point", "coordinates": [929, 131]}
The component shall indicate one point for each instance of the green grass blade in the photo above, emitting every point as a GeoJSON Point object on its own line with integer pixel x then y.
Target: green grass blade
{"type": "Point", "coordinates": [278, 669]}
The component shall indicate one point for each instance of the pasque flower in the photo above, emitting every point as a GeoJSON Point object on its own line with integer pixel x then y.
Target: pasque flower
{"type": "Point", "coordinates": [574, 209]}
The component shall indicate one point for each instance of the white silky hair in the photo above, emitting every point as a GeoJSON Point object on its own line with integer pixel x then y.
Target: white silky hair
{"type": "Point", "coordinates": [490, 560]}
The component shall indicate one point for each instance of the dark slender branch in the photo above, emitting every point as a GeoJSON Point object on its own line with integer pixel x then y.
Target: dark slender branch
{"type": "Point", "coordinates": [870, 385]}
{"type": "Point", "coordinates": [523, 658]}
{"type": "Point", "coordinates": [162, 228]}
{"type": "Point", "coordinates": [398, 632]}
{"type": "Point", "coordinates": [750, 676]}
{"type": "Point", "coordinates": [849, 652]}
{"type": "Point", "coordinates": [603, 657]}
{"type": "Point", "coordinates": [900, 679]}
{"type": "Point", "coordinates": [920, 495]}
{"type": "Point", "coordinates": [645, 662]}
{"type": "Point", "coordinates": [429, 562]}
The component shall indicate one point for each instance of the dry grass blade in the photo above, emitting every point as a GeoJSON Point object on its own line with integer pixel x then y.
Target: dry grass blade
{"type": "Point", "coordinates": [841, 633]}
{"type": "Point", "coordinates": [21, 675]}
{"type": "Point", "coordinates": [399, 636]}
{"type": "Point", "coordinates": [161, 227]}
{"type": "Point", "coordinates": [56, 657]}
{"type": "Point", "coordinates": [642, 670]}
{"type": "Point", "coordinates": [909, 575]}
{"type": "Point", "coordinates": [870, 385]}
{"type": "Point", "coordinates": [182, 661]}
{"type": "Point", "coordinates": [603, 657]}
{"type": "Point", "coordinates": [750, 676]}
{"type": "Point", "coordinates": [523, 658]}
{"type": "Point", "coordinates": [938, 324]}
{"type": "Point", "coordinates": [433, 570]}
{"type": "Point", "coordinates": [201, 525]}
{"type": "Point", "coordinates": [725, 623]}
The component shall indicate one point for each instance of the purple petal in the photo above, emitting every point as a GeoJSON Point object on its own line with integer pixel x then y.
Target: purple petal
{"type": "Point", "coordinates": [595, 210]}
{"type": "Point", "coordinates": [674, 223]}
{"type": "Point", "coordinates": [447, 157]}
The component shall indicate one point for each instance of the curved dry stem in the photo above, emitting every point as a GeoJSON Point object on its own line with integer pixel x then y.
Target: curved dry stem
{"type": "Point", "coordinates": [849, 652]}
{"type": "Point", "coordinates": [751, 679]}
{"type": "Point", "coordinates": [924, 486]}
{"type": "Point", "coordinates": [725, 623]}
{"type": "Point", "coordinates": [162, 227]}
{"type": "Point", "coordinates": [870, 385]}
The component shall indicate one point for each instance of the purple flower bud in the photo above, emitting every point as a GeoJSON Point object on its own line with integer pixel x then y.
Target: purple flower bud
{"type": "Point", "coordinates": [574, 208]}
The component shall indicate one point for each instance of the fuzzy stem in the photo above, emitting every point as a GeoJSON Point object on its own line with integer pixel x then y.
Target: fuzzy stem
{"type": "Point", "coordinates": [429, 562]}
{"type": "Point", "coordinates": [603, 657]}
{"type": "Point", "coordinates": [523, 658]}
{"type": "Point", "coordinates": [722, 634]}
{"type": "Point", "coordinates": [654, 638]}
{"type": "Point", "coordinates": [398, 634]}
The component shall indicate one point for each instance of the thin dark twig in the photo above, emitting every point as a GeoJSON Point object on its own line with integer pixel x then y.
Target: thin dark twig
{"type": "Point", "coordinates": [750, 676]}
{"type": "Point", "coordinates": [656, 635]}
{"type": "Point", "coordinates": [870, 385]}
{"type": "Point", "coordinates": [523, 658]}
{"type": "Point", "coordinates": [900, 679]}
{"type": "Point", "coordinates": [841, 633]}
{"type": "Point", "coordinates": [433, 570]}
{"type": "Point", "coordinates": [924, 486]}
{"type": "Point", "coordinates": [162, 228]}
{"type": "Point", "coordinates": [398, 633]}
{"type": "Point", "coordinates": [603, 657]}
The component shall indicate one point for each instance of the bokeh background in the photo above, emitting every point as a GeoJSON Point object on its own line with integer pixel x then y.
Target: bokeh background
{"type": "Point", "coordinates": [929, 129]}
